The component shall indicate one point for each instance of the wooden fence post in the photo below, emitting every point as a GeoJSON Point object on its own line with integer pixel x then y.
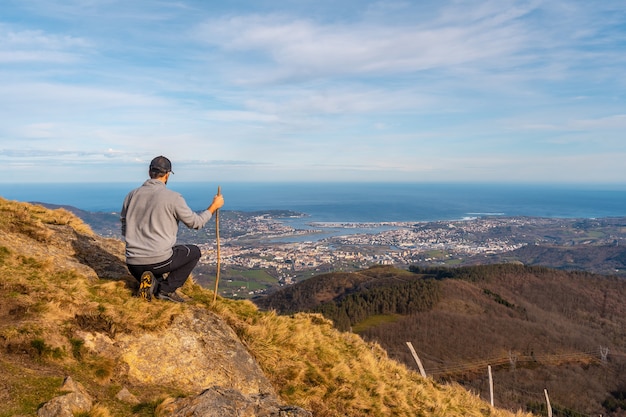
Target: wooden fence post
{"type": "Point", "coordinates": [417, 359]}
{"type": "Point", "coordinates": [490, 384]}
{"type": "Point", "coordinates": [545, 391]}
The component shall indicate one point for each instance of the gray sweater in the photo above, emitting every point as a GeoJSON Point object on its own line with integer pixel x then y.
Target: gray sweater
{"type": "Point", "coordinates": [150, 216]}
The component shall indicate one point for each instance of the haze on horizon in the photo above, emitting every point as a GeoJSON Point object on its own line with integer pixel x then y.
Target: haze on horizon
{"type": "Point", "coordinates": [398, 91]}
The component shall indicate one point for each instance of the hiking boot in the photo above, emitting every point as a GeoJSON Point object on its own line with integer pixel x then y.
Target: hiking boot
{"type": "Point", "coordinates": [170, 296]}
{"type": "Point", "coordinates": [147, 285]}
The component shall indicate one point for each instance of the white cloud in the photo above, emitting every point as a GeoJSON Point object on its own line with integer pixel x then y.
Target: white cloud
{"type": "Point", "coordinates": [603, 123]}
{"type": "Point", "coordinates": [38, 46]}
{"type": "Point", "coordinates": [301, 47]}
{"type": "Point", "coordinates": [76, 95]}
{"type": "Point", "coordinates": [38, 130]}
{"type": "Point", "coordinates": [240, 116]}
{"type": "Point", "coordinates": [614, 123]}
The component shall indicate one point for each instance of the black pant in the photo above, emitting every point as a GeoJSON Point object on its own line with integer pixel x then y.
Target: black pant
{"type": "Point", "coordinates": [179, 266]}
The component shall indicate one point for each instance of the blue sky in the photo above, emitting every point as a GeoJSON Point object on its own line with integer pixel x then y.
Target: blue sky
{"type": "Point", "coordinates": [420, 91]}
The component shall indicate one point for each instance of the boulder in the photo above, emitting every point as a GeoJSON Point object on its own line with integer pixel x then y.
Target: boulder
{"type": "Point", "coordinates": [77, 400]}
{"type": "Point", "coordinates": [227, 402]}
{"type": "Point", "coordinates": [198, 350]}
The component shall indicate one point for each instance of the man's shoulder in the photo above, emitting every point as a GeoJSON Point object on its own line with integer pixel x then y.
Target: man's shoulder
{"type": "Point", "coordinates": [170, 195]}
{"type": "Point", "coordinates": [156, 189]}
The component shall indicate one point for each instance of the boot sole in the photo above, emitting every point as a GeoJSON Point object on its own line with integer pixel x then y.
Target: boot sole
{"type": "Point", "coordinates": [145, 286]}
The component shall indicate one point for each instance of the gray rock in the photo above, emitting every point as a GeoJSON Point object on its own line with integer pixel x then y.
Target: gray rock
{"type": "Point", "coordinates": [76, 401]}
{"type": "Point", "coordinates": [227, 402]}
{"type": "Point", "coordinates": [126, 396]}
{"type": "Point", "coordinates": [197, 350]}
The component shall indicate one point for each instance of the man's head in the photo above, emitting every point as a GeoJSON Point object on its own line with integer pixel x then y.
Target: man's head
{"type": "Point", "coordinates": [160, 167]}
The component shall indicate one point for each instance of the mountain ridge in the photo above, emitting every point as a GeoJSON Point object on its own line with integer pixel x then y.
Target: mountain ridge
{"type": "Point", "coordinates": [69, 314]}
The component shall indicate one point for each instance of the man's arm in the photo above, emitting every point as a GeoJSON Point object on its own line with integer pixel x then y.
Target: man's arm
{"type": "Point", "coordinates": [194, 220]}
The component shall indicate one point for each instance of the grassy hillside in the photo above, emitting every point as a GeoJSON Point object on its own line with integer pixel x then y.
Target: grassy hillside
{"type": "Point", "coordinates": [537, 327]}
{"type": "Point", "coordinates": [68, 309]}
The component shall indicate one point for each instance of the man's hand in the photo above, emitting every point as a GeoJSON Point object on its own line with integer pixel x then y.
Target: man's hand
{"type": "Point", "coordinates": [218, 202]}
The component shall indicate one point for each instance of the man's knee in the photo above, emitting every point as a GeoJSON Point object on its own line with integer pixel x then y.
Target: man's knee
{"type": "Point", "coordinates": [194, 252]}
{"type": "Point", "coordinates": [188, 251]}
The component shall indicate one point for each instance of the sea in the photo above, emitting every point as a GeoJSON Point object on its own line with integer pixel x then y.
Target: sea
{"type": "Point", "coordinates": [356, 202]}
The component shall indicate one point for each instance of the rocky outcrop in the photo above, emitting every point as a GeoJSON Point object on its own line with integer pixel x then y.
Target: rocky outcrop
{"type": "Point", "coordinates": [225, 402]}
{"type": "Point", "coordinates": [196, 351]}
{"type": "Point", "coordinates": [77, 400]}
{"type": "Point", "coordinates": [212, 402]}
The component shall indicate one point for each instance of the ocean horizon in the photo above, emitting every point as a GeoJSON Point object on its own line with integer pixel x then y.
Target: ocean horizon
{"type": "Point", "coordinates": [356, 202]}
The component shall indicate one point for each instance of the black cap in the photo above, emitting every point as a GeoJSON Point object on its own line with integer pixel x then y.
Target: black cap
{"type": "Point", "coordinates": [161, 164]}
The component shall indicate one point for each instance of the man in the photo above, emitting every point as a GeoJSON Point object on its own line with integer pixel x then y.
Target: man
{"type": "Point", "coordinates": [150, 216]}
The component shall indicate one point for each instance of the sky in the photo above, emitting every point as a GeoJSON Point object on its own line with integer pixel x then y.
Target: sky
{"type": "Point", "coordinates": [285, 90]}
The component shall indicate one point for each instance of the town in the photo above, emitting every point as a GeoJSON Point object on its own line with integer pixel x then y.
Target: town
{"type": "Point", "coordinates": [263, 245]}
{"type": "Point", "coordinates": [407, 243]}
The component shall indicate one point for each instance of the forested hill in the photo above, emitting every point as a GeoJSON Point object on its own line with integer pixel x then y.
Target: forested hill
{"type": "Point", "coordinates": [349, 298]}
{"type": "Point", "coordinates": [540, 328]}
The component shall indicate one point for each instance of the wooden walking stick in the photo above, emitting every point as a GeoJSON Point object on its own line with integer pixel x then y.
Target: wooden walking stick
{"type": "Point", "coordinates": [217, 238]}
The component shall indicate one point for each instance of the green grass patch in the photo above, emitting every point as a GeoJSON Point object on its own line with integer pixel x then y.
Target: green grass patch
{"type": "Point", "coordinates": [43, 349]}
{"type": "Point", "coordinates": [247, 280]}
{"type": "Point", "coordinates": [237, 282]}
{"type": "Point", "coordinates": [437, 254]}
{"type": "Point", "coordinates": [249, 285]}
{"type": "Point", "coordinates": [29, 390]}
{"type": "Point", "coordinates": [374, 321]}
{"type": "Point", "coordinates": [258, 275]}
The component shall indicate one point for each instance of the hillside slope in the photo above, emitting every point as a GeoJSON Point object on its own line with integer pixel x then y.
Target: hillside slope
{"type": "Point", "coordinates": [537, 327]}
{"type": "Point", "coordinates": [601, 259]}
{"type": "Point", "coordinates": [68, 310]}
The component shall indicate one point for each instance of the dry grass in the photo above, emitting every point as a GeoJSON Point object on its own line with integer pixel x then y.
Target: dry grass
{"type": "Point", "coordinates": [99, 411]}
{"type": "Point", "coordinates": [338, 374]}
{"type": "Point", "coordinates": [30, 219]}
